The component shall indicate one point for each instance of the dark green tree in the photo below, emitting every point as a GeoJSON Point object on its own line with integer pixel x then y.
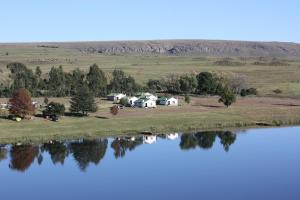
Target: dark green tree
{"type": "Point", "coordinates": [38, 72]}
{"type": "Point", "coordinates": [22, 77]}
{"type": "Point", "coordinates": [56, 82]}
{"type": "Point", "coordinates": [227, 96]}
{"type": "Point", "coordinates": [54, 108]}
{"type": "Point", "coordinates": [208, 83]}
{"type": "Point", "coordinates": [188, 84]}
{"type": "Point", "coordinates": [83, 101]}
{"type": "Point", "coordinates": [118, 82]}
{"type": "Point", "coordinates": [97, 81]}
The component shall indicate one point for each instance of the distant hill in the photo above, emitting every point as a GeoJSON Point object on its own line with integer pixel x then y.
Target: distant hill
{"type": "Point", "coordinates": [180, 47]}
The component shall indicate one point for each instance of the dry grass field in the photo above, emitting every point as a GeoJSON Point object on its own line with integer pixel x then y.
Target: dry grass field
{"type": "Point", "coordinates": [261, 73]}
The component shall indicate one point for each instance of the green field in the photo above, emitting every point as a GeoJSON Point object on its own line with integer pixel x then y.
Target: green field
{"type": "Point", "coordinates": [265, 78]}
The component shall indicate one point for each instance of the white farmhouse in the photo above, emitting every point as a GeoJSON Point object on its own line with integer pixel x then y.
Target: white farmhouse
{"type": "Point", "coordinates": [145, 103]}
{"type": "Point", "coordinates": [131, 100]}
{"type": "Point", "coordinates": [167, 101]}
{"type": "Point", "coordinates": [115, 96]}
{"type": "Point", "coordinates": [147, 95]}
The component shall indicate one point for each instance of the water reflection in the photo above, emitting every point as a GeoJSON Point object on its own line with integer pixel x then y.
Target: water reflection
{"type": "Point", "coordinates": [205, 140]}
{"type": "Point", "coordinates": [22, 156]}
{"type": "Point", "coordinates": [86, 152]}
{"type": "Point", "coordinates": [121, 145]}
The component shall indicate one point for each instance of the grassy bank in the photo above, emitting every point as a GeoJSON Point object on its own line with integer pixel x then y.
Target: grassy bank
{"type": "Point", "coordinates": [201, 114]}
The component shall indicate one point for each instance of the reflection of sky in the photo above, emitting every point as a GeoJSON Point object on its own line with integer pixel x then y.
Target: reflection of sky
{"type": "Point", "coordinates": [262, 164]}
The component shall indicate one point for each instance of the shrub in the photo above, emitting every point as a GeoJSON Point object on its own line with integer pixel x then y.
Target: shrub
{"type": "Point", "coordinates": [124, 101]}
{"type": "Point", "coordinates": [187, 99]}
{"type": "Point", "coordinates": [249, 91]}
{"type": "Point", "coordinates": [114, 110]}
{"type": "Point", "coordinates": [54, 108]}
{"type": "Point", "coordinates": [277, 91]}
{"type": "Point", "coordinates": [227, 96]}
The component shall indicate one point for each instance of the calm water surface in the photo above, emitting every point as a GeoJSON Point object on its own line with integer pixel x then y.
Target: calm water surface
{"type": "Point", "coordinates": [252, 164]}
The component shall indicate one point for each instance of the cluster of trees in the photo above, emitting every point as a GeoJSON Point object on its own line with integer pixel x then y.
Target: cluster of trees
{"type": "Point", "coordinates": [58, 83]}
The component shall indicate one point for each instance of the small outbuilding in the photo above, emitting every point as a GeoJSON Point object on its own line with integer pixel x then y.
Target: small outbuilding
{"type": "Point", "coordinates": [115, 96]}
{"type": "Point", "coordinates": [167, 101]}
{"type": "Point", "coordinates": [145, 103]}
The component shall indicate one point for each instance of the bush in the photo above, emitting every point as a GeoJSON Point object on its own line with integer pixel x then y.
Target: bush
{"type": "Point", "coordinates": [124, 101]}
{"type": "Point", "coordinates": [227, 96]}
{"type": "Point", "coordinates": [54, 109]}
{"type": "Point", "coordinates": [249, 91]}
{"type": "Point", "coordinates": [187, 99]}
{"type": "Point", "coordinates": [114, 110]}
{"type": "Point", "coordinates": [277, 91]}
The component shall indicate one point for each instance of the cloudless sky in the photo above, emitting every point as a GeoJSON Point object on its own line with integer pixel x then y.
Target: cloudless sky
{"type": "Point", "coordinates": [97, 20]}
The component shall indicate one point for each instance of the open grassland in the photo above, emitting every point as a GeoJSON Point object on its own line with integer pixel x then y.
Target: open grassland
{"type": "Point", "coordinates": [263, 75]}
{"type": "Point", "coordinates": [202, 114]}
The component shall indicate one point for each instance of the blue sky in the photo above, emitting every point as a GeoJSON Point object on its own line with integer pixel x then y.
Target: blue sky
{"type": "Point", "coordinates": [97, 20]}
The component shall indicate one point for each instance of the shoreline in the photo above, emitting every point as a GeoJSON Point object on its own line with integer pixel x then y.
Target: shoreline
{"type": "Point", "coordinates": [46, 138]}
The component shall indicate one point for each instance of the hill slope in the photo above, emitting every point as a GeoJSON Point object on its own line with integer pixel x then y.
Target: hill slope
{"type": "Point", "coordinates": [183, 47]}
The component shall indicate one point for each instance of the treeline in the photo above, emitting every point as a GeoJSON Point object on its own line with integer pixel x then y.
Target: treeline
{"type": "Point", "coordinates": [58, 83]}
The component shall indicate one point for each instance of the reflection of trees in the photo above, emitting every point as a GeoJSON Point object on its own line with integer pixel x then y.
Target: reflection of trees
{"type": "Point", "coordinates": [22, 156]}
{"type": "Point", "coordinates": [188, 141]}
{"type": "Point", "coordinates": [227, 138]}
{"type": "Point", "coordinates": [121, 145]}
{"type": "Point", "coordinates": [88, 151]}
{"type": "Point", "coordinates": [57, 150]}
{"type": "Point", "coordinates": [3, 153]}
{"type": "Point", "coordinates": [206, 140]}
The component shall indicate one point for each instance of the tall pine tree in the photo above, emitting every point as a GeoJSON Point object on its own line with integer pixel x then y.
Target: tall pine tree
{"type": "Point", "coordinates": [97, 81]}
{"type": "Point", "coordinates": [83, 101]}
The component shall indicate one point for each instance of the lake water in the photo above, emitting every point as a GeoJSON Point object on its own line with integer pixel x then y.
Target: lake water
{"type": "Point", "coordinates": [252, 164]}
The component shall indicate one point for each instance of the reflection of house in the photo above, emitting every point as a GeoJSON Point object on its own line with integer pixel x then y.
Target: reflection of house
{"type": "Point", "coordinates": [172, 136]}
{"type": "Point", "coordinates": [149, 139]}
{"type": "Point", "coordinates": [145, 103]}
{"type": "Point", "coordinates": [115, 96]}
{"type": "Point", "coordinates": [166, 101]}
{"type": "Point", "coordinates": [131, 100]}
